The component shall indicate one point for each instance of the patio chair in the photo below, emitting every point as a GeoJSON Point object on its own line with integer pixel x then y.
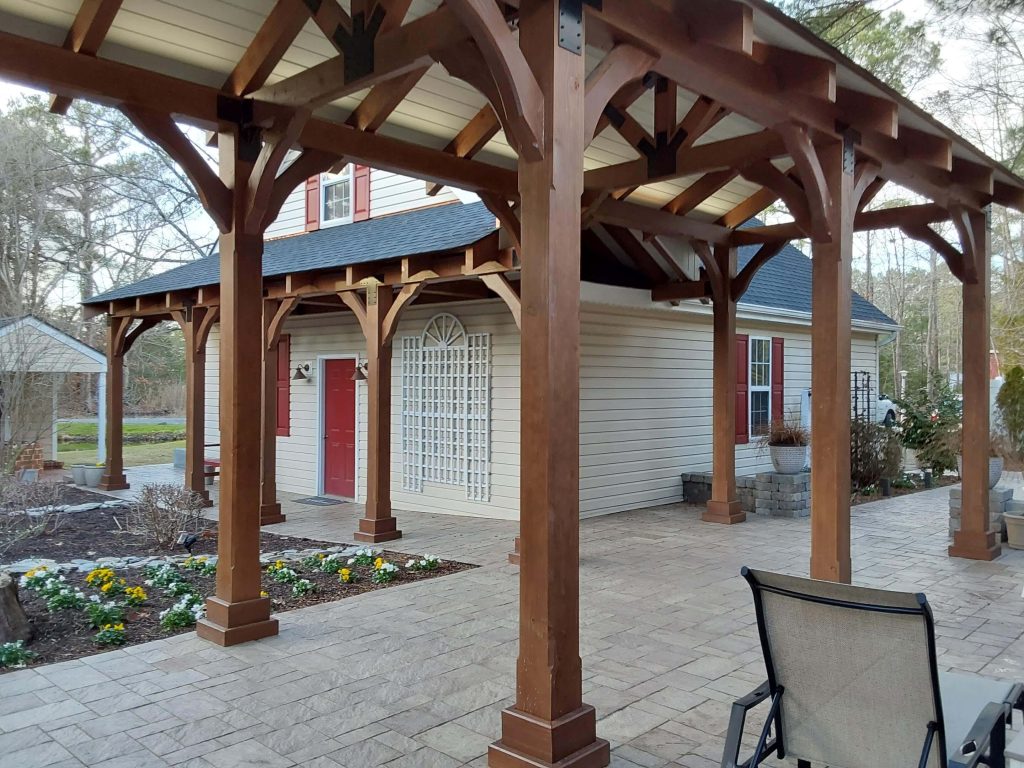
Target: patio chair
{"type": "Point", "coordinates": [853, 683]}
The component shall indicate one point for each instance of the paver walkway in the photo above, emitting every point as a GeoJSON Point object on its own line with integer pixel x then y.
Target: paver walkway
{"type": "Point", "coordinates": [417, 675]}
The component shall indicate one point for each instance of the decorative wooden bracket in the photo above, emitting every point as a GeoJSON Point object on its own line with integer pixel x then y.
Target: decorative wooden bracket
{"type": "Point", "coordinates": [278, 140]}
{"type": "Point", "coordinates": [925, 234]}
{"type": "Point", "coordinates": [506, 216]}
{"type": "Point", "coordinates": [808, 166]}
{"type": "Point", "coordinates": [406, 296]}
{"type": "Point", "coordinates": [126, 339]}
{"type": "Point", "coordinates": [782, 185]}
{"type": "Point", "coordinates": [764, 254]}
{"type": "Point", "coordinates": [353, 301]}
{"type": "Point", "coordinates": [275, 322]}
{"type": "Point", "coordinates": [968, 244]}
{"type": "Point", "coordinates": [210, 317]}
{"type": "Point", "coordinates": [520, 96]}
{"type": "Point", "coordinates": [623, 64]}
{"type": "Point", "coordinates": [501, 286]}
{"type": "Point", "coordinates": [716, 278]}
{"type": "Point", "coordinates": [309, 163]}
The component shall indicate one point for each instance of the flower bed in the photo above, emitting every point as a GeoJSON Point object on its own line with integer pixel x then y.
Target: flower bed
{"type": "Point", "coordinates": [79, 613]}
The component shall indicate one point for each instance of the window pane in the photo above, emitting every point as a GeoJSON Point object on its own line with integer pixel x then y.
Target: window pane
{"type": "Point", "coordinates": [759, 417]}
{"type": "Point", "coordinates": [760, 362]}
{"type": "Point", "coordinates": [337, 200]}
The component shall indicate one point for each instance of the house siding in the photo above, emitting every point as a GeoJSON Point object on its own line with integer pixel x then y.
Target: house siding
{"type": "Point", "coordinates": [645, 403]}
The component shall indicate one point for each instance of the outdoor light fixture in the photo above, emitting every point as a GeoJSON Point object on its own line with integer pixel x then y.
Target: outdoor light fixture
{"type": "Point", "coordinates": [360, 372]}
{"type": "Point", "coordinates": [301, 372]}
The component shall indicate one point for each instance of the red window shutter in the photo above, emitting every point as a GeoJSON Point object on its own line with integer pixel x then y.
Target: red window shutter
{"type": "Point", "coordinates": [778, 378]}
{"type": "Point", "coordinates": [742, 389]}
{"type": "Point", "coordinates": [312, 203]}
{"type": "Point", "coordinates": [284, 386]}
{"type": "Point", "coordinates": [361, 193]}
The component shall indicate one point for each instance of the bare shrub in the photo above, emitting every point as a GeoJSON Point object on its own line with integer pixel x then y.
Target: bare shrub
{"type": "Point", "coordinates": [28, 510]}
{"type": "Point", "coordinates": [162, 511]}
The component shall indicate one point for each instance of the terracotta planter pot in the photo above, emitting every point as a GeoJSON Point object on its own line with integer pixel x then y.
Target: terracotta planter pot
{"type": "Point", "coordinates": [1014, 530]}
{"type": "Point", "coordinates": [995, 469]}
{"type": "Point", "coordinates": [788, 459]}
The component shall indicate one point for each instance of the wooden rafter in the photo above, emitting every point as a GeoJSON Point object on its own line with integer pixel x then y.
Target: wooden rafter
{"type": "Point", "coordinates": [657, 222]}
{"type": "Point", "coordinates": [637, 253]}
{"type": "Point", "coordinates": [748, 209]}
{"type": "Point", "coordinates": [86, 35]}
{"type": "Point", "coordinates": [471, 139]}
{"type": "Point", "coordinates": [667, 257]}
{"type": "Point", "coordinates": [268, 47]}
{"type": "Point", "coordinates": [695, 194]}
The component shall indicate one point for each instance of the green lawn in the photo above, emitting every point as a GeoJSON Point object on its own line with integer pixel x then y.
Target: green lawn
{"type": "Point", "coordinates": [134, 455]}
{"type": "Point", "coordinates": [89, 429]}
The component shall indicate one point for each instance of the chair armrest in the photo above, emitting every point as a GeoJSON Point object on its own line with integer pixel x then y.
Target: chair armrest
{"type": "Point", "coordinates": [987, 735]}
{"type": "Point", "coordinates": [737, 720]}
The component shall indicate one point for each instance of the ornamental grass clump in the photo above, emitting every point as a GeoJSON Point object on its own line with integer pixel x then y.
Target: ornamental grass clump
{"type": "Point", "coordinates": [383, 571]}
{"type": "Point", "coordinates": [15, 655]}
{"type": "Point", "coordinates": [110, 634]}
{"type": "Point", "coordinates": [184, 613]}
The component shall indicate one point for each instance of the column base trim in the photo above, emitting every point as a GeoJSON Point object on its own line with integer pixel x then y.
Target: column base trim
{"type": "Point", "coordinates": [113, 483]}
{"type": "Point", "coordinates": [374, 530]}
{"type": "Point", "coordinates": [227, 636]}
{"type": "Point", "coordinates": [514, 555]}
{"type": "Point", "coordinates": [724, 513]}
{"type": "Point", "coordinates": [270, 514]}
{"type": "Point", "coordinates": [975, 546]}
{"type": "Point", "coordinates": [532, 742]}
{"type": "Point", "coordinates": [233, 623]}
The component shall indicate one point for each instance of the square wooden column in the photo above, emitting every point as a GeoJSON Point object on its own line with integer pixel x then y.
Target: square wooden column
{"type": "Point", "coordinates": [832, 265]}
{"type": "Point", "coordinates": [724, 505]}
{"type": "Point", "coordinates": [113, 475]}
{"type": "Point", "coordinates": [195, 404]}
{"type": "Point", "coordinates": [549, 724]}
{"type": "Point", "coordinates": [377, 524]}
{"type": "Point", "coordinates": [974, 540]}
{"type": "Point", "coordinates": [237, 613]}
{"type": "Point", "coordinates": [270, 507]}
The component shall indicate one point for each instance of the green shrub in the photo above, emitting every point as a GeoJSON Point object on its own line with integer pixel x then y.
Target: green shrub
{"type": "Point", "coordinates": [875, 454]}
{"type": "Point", "coordinates": [15, 654]}
{"type": "Point", "coordinates": [930, 425]}
{"type": "Point", "coordinates": [1010, 402]}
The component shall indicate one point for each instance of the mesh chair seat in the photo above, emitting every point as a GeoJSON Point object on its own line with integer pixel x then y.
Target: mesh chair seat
{"type": "Point", "coordinates": [963, 697]}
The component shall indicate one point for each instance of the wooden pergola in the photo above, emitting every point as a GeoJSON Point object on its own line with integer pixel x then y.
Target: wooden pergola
{"type": "Point", "coordinates": [656, 118]}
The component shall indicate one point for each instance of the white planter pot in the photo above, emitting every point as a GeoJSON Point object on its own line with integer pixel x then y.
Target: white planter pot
{"type": "Point", "coordinates": [995, 469]}
{"type": "Point", "coordinates": [1014, 530]}
{"type": "Point", "coordinates": [93, 475]}
{"type": "Point", "coordinates": [788, 459]}
{"type": "Point", "coordinates": [78, 473]}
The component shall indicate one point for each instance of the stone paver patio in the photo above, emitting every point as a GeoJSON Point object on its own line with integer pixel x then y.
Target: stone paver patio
{"type": "Point", "coordinates": [417, 675]}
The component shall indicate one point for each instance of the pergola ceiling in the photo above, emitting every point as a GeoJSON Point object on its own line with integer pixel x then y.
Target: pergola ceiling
{"type": "Point", "coordinates": [203, 42]}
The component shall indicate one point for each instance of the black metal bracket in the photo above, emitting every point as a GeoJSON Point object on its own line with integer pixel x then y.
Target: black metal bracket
{"type": "Point", "coordinates": [570, 23]}
{"type": "Point", "coordinates": [357, 46]}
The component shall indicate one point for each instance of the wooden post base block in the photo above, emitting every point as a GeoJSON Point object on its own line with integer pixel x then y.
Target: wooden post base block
{"type": "Point", "coordinates": [271, 514]}
{"type": "Point", "coordinates": [724, 513]}
{"type": "Point", "coordinates": [972, 545]}
{"type": "Point", "coordinates": [513, 556]}
{"type": "Point", "coordinates": [113, 483]}
{"type": "Point", "coordinates": [374, 531]}
{"type": "Point", "coordinates": [233, 623]}
{"type": "Point", "coordinates": [569, 742]}
{"type": "Point", "coordinates": [829, 570]}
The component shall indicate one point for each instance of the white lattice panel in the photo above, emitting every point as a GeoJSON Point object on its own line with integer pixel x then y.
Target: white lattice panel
{"type": "Point", "coordinates": [412, 460]}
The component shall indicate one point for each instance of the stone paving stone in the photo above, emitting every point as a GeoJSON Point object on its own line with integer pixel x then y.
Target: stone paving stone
{"type": "Point", "coordinates": [37, 756]}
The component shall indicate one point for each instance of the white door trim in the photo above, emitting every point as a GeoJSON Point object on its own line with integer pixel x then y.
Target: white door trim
{"type": "Point", "coordinates": [321, 367]}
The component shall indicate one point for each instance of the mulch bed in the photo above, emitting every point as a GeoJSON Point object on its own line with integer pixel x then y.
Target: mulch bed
{"type": "Point", "coordinates": [66, 634]}
{"type": "Point", "coordinates": [875, 494]}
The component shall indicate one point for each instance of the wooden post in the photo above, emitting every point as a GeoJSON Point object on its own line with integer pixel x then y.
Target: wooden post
{"type": "Point", "coordinates": [974, 540]}
{"type": "Point", "coordinates": [195, 401]}
{"type": "Point", "coordinates": [549, 723]}
{"type": "Point", "coordinates": [270, 507]}
{"type": "Point", "coordinates": [377, 523]}
{"type": "Point", "coordinates": [830, 371]}
{"type": "Point", "coordinates": [237, 613]}
{"type": "Point", "coordinates": [113, 476]}
{"type": "Point", "coordinates": [724, 506]}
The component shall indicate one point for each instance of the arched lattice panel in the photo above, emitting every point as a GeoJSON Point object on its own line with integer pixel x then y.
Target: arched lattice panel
{"type": "Point", "coordinates": [446, 408]}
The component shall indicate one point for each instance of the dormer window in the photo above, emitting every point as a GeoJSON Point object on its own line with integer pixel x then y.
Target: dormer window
{"type": "Point", "coordinates": [336, 197]}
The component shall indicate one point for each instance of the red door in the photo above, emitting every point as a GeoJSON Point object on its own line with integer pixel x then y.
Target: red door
{"type": "Point", "coordinates": [339, 428]}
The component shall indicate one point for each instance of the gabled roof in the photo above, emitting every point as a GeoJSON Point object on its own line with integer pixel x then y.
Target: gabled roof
{"type": "Point", "coordinates": [30, 344]}
{"type": "Point", "coordinates": [427, 230]}
{"type": "Point", "coordinates": [784, 283]}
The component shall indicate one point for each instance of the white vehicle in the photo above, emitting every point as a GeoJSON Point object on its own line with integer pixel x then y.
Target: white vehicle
{"type": "Point", "coordinates": [885, 411]}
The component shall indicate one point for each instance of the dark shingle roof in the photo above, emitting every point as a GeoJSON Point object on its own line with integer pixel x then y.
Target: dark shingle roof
{"type": "Point", "coordinates": [783, 283]}
{"type": "Point", "coordinates": [428, 230]}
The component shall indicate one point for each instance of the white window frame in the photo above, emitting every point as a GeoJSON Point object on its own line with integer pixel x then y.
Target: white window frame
{"type": "Point", "coordinates": [751, 388]}
{"type": "Point", "coordinates": [329, 180]}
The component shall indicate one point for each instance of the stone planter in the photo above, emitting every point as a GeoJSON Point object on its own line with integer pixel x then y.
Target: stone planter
{"type": "Point", "coordinates": [1014, 530]}
{"type": "Point", "coordinates": [78, 473]}
{"type": "Point", "coordinates": [995, 469]}
{"type": "Point", "coordinates": [93, 475]}
{"type": "Point", "coordinates": [788, 459]}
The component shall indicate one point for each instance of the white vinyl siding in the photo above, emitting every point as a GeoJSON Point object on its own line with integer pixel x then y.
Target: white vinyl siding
{"type": "Point", "coordinates": [391, 193]}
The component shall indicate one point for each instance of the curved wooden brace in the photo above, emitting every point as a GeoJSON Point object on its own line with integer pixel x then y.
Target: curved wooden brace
{"type": "Point", "coordinates": [501, 286]}
{"type": "Point", "coordinates": [782, 185]}
{"type": "Point", "coordinates": [808, 166]}
{"type": "Point", "coordinates": [213, 194]}
{"type": "Point", "coordinates": [128, 338]}
{"type": "Point", "coordinates": [521, 98]}
{"type": "Point", "coordinates": [119, 327]}
{"type": "Point", "coordinates": [281, 138]}
{"type": "Point", "coordinates": [716, 277]}
{"type": "Point", "coordinates": [764, 254]}
{"type": "Point", "coordinates": [210, 317]}
{"type": "Point", "coordinates": [405, 297]}
{"type": "Point", "coordinates": [354, 302]}
{"type": "Point", "coordinates": [506, 216]}
{"type": "Point", "coordinates": [309, 163]}
{"type": "Point", "coordinates": [968, 245]}
{"type": "Point", "coordinates": [275, 322]}
{"type": "Point", "coordinates": [866, 183]}
{"type": "Point", "coordinates": [925, 234]}
{"type": "Point", "coordinates": [623, 64]}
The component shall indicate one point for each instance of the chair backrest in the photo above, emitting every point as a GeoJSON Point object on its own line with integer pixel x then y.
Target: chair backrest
{"type": "Point", "coordinates": [857, 668]}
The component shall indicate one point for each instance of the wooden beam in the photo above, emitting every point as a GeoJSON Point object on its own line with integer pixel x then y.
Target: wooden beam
{"type": "Point", "coordinates": [471, 139]}
{"type": "Point", "coordinates": [749, 208]}
{"type": "Point", "coordinates": [268, 47]}
{"type": "Point", "coordinates": [500, 285]}
{"type": "Point", "coordinates": [191, 321]}
{"type": "Point", "coordinates": [86, 35]}
{"type": "Point", "coordinates": [810, 75]}
{"type": "Point", "coordinates": [383, 99]}
{"type": "Point", "coordinates": [623, 64]}
{"type": "Point", "coordinates": [637, 253]}
{"type": "Point", "coordinates": [692, 289]}
{"type": "Point", "coordinates": [866, 221]}
{"type": "Point", "coordinates": [657, 222]}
